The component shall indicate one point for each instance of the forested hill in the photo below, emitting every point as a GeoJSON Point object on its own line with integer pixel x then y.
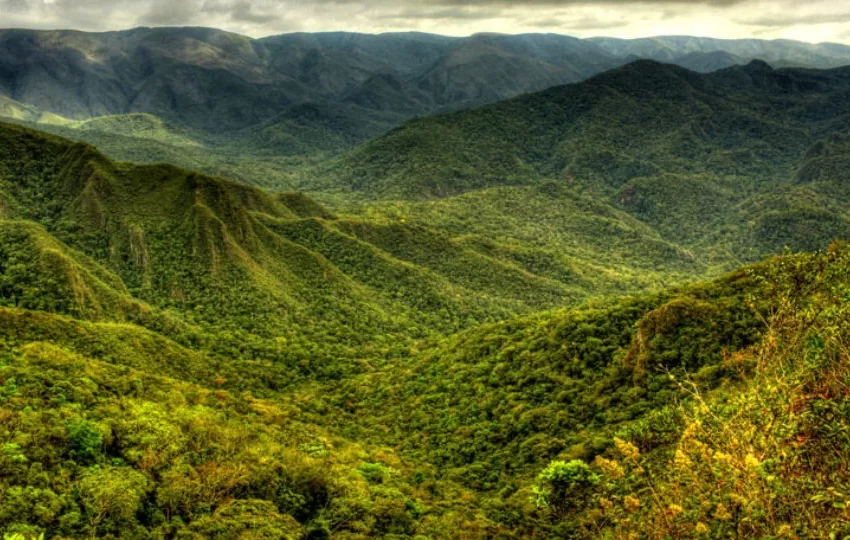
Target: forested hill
{"type": "Point", "coordinates": [641, 120]}
{"type": "Point", "coordinates": [731, 165]}
{"type": "Point", "coordinates": [186, 356]}
{"type": "Point", "coordinates": [181, 252]}
{"type": "Point", "coordinates": [176, 330]}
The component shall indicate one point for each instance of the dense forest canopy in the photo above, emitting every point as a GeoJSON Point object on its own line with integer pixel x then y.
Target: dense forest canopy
{"type": "Point", "coordinates": [610, 309]}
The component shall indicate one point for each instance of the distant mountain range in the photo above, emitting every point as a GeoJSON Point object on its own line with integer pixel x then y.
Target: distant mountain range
{"type": "Point", "coordinates": [359, 85]}
{"type": "Point", "coordinates": [689, 51]}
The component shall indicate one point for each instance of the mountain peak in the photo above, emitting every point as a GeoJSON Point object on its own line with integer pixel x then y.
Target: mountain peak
{"type": "Point", "coordinates": [759, 66]}
{"type": "Point", "coordinates": [649, 77]}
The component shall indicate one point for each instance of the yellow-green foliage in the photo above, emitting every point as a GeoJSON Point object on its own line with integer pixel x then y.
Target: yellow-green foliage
{"type": "Point", "coordinates": [493, 404]}
{"type": "Point", "coordinates": [142, 126]}
{"type": "Point", "coordinates": [92, 449]}
{"type": "Point", "coordinates": [38, 272]}
{"type": "Point", "coordinates": [183, 356]}
{"type": "Point", "coordinates": [763, 458]}
{"type": "Point", "coordinates": [234, 260]}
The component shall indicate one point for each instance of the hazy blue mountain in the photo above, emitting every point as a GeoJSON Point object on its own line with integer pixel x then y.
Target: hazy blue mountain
{"type": "Point", "coordinates": [216, 81]}
{"type": "Point", "coordinates": [780, 53]}
{"type": "Point", "coordinates": [264, 111]}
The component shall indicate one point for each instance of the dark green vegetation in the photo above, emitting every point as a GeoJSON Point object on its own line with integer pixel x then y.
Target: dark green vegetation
{"type": "Point", "coordinates": [263, 111]}
{"type": "Point", "coordinates": [744, 129]}
{"type": "Point", "coordinates": [724, 168]}
{"type": "Point", "coordinates": [506, 350]}
{"type": "Point", "coordinates": [253, 109]}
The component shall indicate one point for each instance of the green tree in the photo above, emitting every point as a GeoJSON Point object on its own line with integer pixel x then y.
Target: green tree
{"type": "Point", "coordinates": [85, 441]}
{"type": "Point", "coordinates": [111, 492]}
{"type": "Point", "coordinates": [564, 485]}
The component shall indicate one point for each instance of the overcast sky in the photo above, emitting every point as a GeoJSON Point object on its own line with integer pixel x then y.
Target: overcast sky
{"type": "Point", "coordinates": [814, 20]}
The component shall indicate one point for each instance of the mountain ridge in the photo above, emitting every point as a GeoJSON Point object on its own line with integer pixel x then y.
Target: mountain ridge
{"type": "Point", "coordinates": [216, 82]}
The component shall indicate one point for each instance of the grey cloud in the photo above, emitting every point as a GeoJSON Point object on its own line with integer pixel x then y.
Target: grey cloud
{"type": "Point", "coordinates": [18, 6]}
{"type": "Point", "coordinates": [546, 23]}
{"type": "Point", "coordinates": [774, 21]}
{"type": "Point", "coordinates": [625, 18]}
{"type": "Point", "coordinates": [576, 23]}
{"type": "Point", "coordinates": [242, 11]}
{"type": "Point", "coordinates": [458, 14]}
{"type": "Point", "coordinates": [170, 12]}
{"type": "Point", "coordinates": [591, 23]}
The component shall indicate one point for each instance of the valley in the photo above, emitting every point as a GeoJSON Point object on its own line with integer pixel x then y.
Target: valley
{"type": "Point", "coordinates": [412, 286]}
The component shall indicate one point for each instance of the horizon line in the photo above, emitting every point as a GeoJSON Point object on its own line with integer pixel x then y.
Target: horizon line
{"type": "Point", "coordinates": [395, 32]}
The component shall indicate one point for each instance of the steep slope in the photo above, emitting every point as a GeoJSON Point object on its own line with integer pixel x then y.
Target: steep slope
{"type": "Point", "coordinates": [616, 126]}
{"type": "Point", "coordinates": [737, 461]}
{"type": "Point", "coordinates": [757, 458]}
{"type": "Point", "coordinates": [523, 391]}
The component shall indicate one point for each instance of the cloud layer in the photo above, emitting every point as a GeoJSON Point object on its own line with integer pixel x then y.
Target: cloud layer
{"type": "Point", "coordinates": [817, 20]}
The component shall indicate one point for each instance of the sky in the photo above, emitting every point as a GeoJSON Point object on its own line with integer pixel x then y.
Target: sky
{"type": "Point", "coordinates": [813, 20]}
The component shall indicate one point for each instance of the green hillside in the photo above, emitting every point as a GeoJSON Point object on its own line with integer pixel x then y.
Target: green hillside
{"type": "Point", "coordinates": [236, 271]}
{"type": "Point", "coordinates": [180, 240]}
{"type": "Point", "coordinates": [640, 388]}
{"type": "Point", "coordinates": [561, 316]}
{"type": "Point", "coordinates": [642, 120]}
{"type": "Point", "coordinates": [648, 166]}
{"type": "Point", "coordinates": [119, 272]}
{"type": "Point", "coordinates": [529, 389]}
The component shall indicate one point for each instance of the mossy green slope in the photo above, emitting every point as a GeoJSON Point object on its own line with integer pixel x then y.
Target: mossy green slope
{"type": "Point", "coordinates": [654, 161]}
{"type": "Point", "coordinates": [639, 120]}
{"type": "Point", "coordinates": [231, 256]}
{"type": "Point", "coordinates": [493, 402]}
